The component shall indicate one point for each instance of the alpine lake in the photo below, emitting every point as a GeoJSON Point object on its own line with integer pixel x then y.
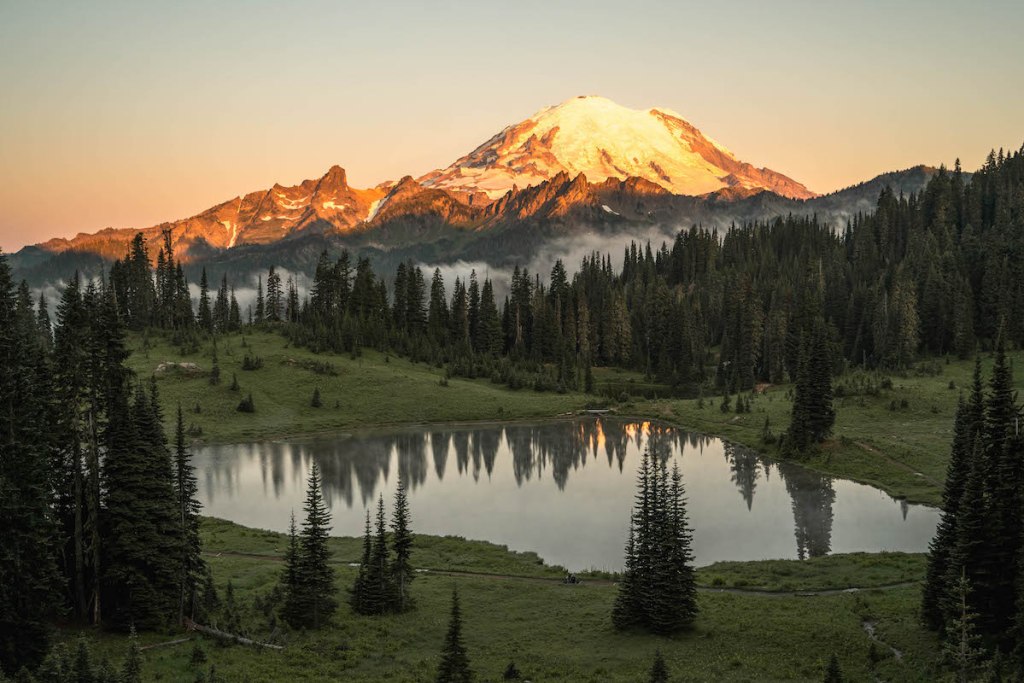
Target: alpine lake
{"type": "Point", "coordinates": [563, 489]}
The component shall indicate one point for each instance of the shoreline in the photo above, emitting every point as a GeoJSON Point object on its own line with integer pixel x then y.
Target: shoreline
{"type": "Point", "coordinates": [388, 427]}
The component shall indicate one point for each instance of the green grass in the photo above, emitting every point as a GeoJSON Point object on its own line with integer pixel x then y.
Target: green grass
{"type": "Point", "coordinates": [902, 451]}
{"type": "Point", "coordinates": [440, 553]}
{"type": "Point", "coordinates": [831, 572]}
{"type": "Point", "coordinates": [371, 390]}
{"type": "Point", "coordinates": [554, 632]}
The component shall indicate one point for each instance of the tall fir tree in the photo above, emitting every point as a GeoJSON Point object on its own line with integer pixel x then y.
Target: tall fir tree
{"type": "Point", "coordinates": [359, 592]}
{"type": "Point", "coordinates": [402, 572]}
{"type": "Point", "coordinates": [454, 666]}
{"type": "Point", "coordinates": [316, 576]}
{"type": "Point", "coordinates": [142, 539]}
{"type": "Point", "coordinates": [192, 566]}
{"type": "Point", "coordinates": [658, 588]}
{"type": "Point", "coordinates": [379, 589]}
{"type": "Point", "coordinates": [29, 581]}
{"type": "Point", "coordinates": [942, 544]}
{"type": "Point", "coordinates": [205, 314]}
{"type": "Point", "coordinates": [294, 609]}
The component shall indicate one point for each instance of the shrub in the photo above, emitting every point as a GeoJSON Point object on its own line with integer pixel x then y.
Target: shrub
{"type": "Point", "coordinates": [246, 405]}
{"type": "Point", "coordinates": [511, 673]}
{"type": "Point", "coordinates": [315, 402]}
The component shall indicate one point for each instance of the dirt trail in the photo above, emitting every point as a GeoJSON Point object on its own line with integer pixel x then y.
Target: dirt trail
{"type": "Point", "coordinates": [898, 463]}
{"type": "Point", "coordinates": [598, 582]}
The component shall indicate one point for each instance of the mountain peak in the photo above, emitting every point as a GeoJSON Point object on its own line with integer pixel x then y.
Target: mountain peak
{"type": "Point", "coordinates": [593, 135]}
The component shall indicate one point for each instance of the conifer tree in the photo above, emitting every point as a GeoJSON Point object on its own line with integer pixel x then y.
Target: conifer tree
{"type": "Point", "coordinates": [379, 588]}
{"type": "Point", "coordinates": [489, 328]}
{"type": "Point", "coordinates": [943, 543]}
{"type": "Point", "coordinates": [188, 507]}
{"type": "Point", "coordinates": [813, 414]}
{"type": "Point", "coordinates": [221, 308]}
{"type": "Point", "coordinates": [658, 589]}
{"type": "Point", "coordinates": [358, 594]}
{"type": "Point", "coordinates": [142, 538]}
{"type": "Point", "coordinates": [833, 674]}
{"type": "Point", "coordinates": [659, 670]}
{"type": "Point", "coordinates": [294, 609]}
{"type": "Point", "coordinates": [454, 666]}
{"type": "Point", "coordinates": [44, 323]}
{"type": "Point", "coordinates": [474, 310]}
{"type": "Point", "coordinates": [316, 576]}
{"type": "Point", "coordinates": [205, 315]}
{"type": "Point", "coordinates": [29, 582]}
{"type": "Point", "coordinates": [1005, 478]}
{"type": "Point", "coordinates": [275, 297]}
{"type": "Point", "coordinates": [961, 650]}
{"type": "Point", "coordinates": [401, 568]}
{"type": "Point", "coordinates": [71, 390]}
{"type": "Point", "coordinates": [259, 315]}
{"type": "Point", "coordinates": [234, 314]}
{"type": "Point", "coordinates": [82, 666]}
{"type": "Point", "coordinates": [627, 610]}
{"type": "Point", "coordinates": [437, 312]}
{"type": "Point", "coordinates": [131, 670]}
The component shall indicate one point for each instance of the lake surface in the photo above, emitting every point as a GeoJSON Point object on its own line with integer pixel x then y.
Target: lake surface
{"type": "Point", "coordinates": [561, 489]}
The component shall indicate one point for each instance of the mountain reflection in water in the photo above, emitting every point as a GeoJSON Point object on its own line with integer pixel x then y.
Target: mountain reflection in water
{"type": "Point", "coordinates": [563, 489]}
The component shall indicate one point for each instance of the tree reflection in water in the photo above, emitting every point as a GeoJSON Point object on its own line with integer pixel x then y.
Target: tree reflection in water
{"type": "Point", "coordinates": [813, 496]}
{"type": "Point", "coordinates": [354, 467]}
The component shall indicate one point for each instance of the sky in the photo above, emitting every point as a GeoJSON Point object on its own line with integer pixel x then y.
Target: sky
{"type": "Point", "coordinates": [126, 114]}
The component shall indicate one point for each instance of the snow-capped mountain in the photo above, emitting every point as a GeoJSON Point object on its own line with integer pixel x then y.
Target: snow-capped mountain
{"type": "Point", "coordinates": [601, 139]}
{"type": "Point", "coordinates": [587, 165]}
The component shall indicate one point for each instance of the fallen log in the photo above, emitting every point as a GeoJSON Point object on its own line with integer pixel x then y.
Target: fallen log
{"type": "Point", "coordinates": [224, 635]}
{"type": "Point", "coordinates": [179, 641]}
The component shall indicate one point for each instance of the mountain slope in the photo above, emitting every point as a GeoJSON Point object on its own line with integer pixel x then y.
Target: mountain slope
{"type": "Point", "coordinates": [601, 139]}
{"type": "Point", "coordinates": [258, 217]}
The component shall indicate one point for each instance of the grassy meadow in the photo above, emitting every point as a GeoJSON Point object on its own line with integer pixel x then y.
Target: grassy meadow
{"type": "Point", "coordinates": [371, 390]}
{"type": "Point", "coordinates": [516, 609]}
{"type": "Point", "coordinates": [760, 621]}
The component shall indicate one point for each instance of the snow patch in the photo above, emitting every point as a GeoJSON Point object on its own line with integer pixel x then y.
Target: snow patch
{"type": "Point", "coordinates": [292, 204]}
{"type": "Point", "coordinates": [230, 225]}
{"type": "Point", "coordinates": [375, 208]}
{"type": "Point", "coordinates": [609, 210]}
{"type": "Point", "coordinates": [332, 205]}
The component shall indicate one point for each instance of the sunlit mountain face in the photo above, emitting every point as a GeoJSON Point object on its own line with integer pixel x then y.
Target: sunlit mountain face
{"type": "Point", "coordinates": [585, 166]}
{"type": "Point", "coordinates": [601, 139]}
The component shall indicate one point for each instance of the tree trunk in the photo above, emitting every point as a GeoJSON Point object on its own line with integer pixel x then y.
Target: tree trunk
{"type": "Point", "coordinates": [224, 635]}
{"type": "Point", "coordinates": [81, 606]}
{"type": "Point", "coordinates": [94, 516]}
